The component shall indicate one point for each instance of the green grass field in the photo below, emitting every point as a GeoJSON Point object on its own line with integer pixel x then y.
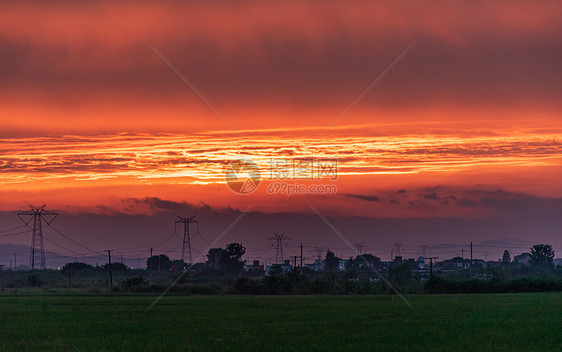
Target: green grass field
{"type": "Point", "coordinates": [500, 322]}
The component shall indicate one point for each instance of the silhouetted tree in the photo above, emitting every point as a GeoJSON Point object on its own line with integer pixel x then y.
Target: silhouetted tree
{"type": "Point", "coordinates": [135, 284]}
{"type": "Point", "coordinates": [228, 260]}
{"type": "Point", "coordinates": [233, 261]}
{"type": "Point", "coordinates": [158, 262]}
{"type": "Point", "coordinates": [76, 266]}
{"type": "Point", "coordinates": [331, 262]}
{"type": "Point", "coordinates": [506, 259]}
{"type": "Point", "coordinates": [400, 274]}
{"type": "Point", "coordinates": [215, 257]}
{"type": "Point", "coordinates": [115, 266]}
{"type": "Point", "coordinates": [542, 255]}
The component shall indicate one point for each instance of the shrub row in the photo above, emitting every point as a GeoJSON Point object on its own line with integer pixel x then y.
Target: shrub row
{"type": "Point", "coordinates": [441, 285]}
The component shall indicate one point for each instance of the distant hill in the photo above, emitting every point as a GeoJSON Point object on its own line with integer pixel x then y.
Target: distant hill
{"type": "Point", "coordinates": [20, 253]}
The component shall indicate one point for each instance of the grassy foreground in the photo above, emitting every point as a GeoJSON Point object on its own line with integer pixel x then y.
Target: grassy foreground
{"type": "Point", "coordinates": [494, 322]}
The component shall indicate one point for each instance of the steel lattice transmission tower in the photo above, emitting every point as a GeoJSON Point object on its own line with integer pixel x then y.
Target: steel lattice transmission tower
{"type": "Point", "coordinates": [279, 240]}
{"type": "Point", "coordinates": [318, 251]}
{"type": "Point", "coordinates": [360, 246]}
{"type": "Point", "coordinates": [186, 237]}
{"type": "Point", "coordinates": [38, 215]}
{"type": "Point", "coordinates": [398, 246]}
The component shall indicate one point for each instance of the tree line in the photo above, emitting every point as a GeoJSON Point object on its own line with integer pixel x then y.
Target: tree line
{"type": "Point", "coordinates": [224, 271]}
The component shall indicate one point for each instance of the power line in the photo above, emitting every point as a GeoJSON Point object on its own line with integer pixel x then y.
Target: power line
{"type": "Point", "coordinates": [16, 233]}
{"type": "Point", "coordinates": [61, 246]}
{"type": "Point", "coordinates": [73, 241]}
{"type": "Point", "coordinates": [166, 240]}
{"type": "Point", "coordinates": [201, 236]}
{"type": "Point", "coordinates": [13, 228]}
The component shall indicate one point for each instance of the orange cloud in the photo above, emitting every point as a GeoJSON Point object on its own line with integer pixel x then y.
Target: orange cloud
{"type": "Point", "coordinates": [192, 166]}
{"type": "Point", "coordinates": [86, 68]}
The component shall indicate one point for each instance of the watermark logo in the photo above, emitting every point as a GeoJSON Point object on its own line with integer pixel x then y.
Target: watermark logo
{"type": "Point", "coordinates": [303, 169]}
{"type": "Point", "coordinates": [243, 176]}
{"type": "Point", "coordinates": [290, 188]}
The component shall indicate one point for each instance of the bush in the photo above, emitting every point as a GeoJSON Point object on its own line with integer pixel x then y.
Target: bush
{"type": "Point", "coordinates": [440, 285]}
{"type": "Point", "coordinates": [135, 284]}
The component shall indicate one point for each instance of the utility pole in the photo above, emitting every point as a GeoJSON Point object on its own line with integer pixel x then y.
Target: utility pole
{"type": "Point", "coordinates": [294, 261]}
{"type": "Point", "coordinates": [150, 267]}
{"type": "Point", "coordinates": [110, 268]}
{"type": "Point", "coordinates": [471, 259]}
{"type": "Point", "coordinates": [38, 215]}
{"type": "Point", "coordinates": [186, 237]}
{"type": "Point", "coordinates": [215, 260]}
{"type": "Point", "coordinates": [431, 266]}
{"type": "Point", "coordinates": [121, 258]}
{"type": "Point", "coordinates": [301, 255]}
{"type": "Point", "coordinates": [15, 260]}
{"type": "Point", "coordinates": [280, 240]}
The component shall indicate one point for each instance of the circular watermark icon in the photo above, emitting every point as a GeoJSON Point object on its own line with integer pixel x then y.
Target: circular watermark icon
{"type": "Point", "coordinates": [243, 176]}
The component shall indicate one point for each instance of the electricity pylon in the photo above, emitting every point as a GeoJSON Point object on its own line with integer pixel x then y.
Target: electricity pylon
{"type": "Point", "coordinates": [38, 215]}
{"type": "Point", "coordinates": [360, 247]}
{"type": "Point", "coordinates": [280, 240]}
{"type": "Point", "coordinates": [186, 238]}
{"type": "Point", "coordinates": [318, 251]}
{"type": "Point", "coordinates": [398, 251]}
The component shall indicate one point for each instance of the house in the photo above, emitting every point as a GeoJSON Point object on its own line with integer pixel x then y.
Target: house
{"type": "Point", "coordinates": [342, 264]}
{"type": "Point", "coordinates": [456, 263]}
{"type": "Point", "coordinates": [254, 266]}
{"type": "Point", "coordinates": [421, 263]}
{"type": "Point", "coordinates": [280, 268]}
{"type": "Point", "coordinates": [479, 264]}
{"type": "Point", "coordinates": [522, 259]}
{"type": "Point", "coordinates": [318, 265]}
{"type": "Point", "coordinates": [412, 263]}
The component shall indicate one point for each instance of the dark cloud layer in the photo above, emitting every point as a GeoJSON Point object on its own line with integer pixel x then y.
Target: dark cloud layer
{"type": "Point", "coordinates": [364, 197]}
{"type": "Point", "coordinates": [466, 53]}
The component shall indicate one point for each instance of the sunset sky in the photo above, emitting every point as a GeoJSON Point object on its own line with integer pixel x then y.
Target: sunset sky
{"type": "Point", "coordinates": [444, 119]}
